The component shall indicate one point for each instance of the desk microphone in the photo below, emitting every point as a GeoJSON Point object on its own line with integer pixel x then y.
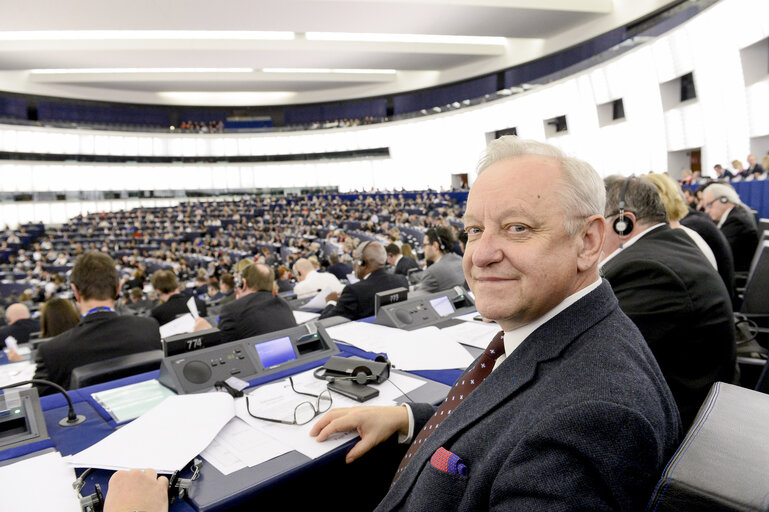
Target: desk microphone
{"type": "Point", "coordinates": [72, 418]}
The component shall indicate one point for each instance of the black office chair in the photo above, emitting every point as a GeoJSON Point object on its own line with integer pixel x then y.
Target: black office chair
{"type": "Point", "coordinates": [115, 368]}
{"type": "Point", "coordinates": [723, 461]}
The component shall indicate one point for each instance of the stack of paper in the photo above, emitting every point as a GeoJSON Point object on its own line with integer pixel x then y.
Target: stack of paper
{"type": "Point", "coordinates": [422, 349]}
{"type": "Point", "coordinates": [38, 483]}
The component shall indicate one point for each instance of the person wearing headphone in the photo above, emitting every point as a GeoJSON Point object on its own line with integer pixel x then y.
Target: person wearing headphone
{"type": "Point", "coordinates": [666, 286]}
{"type": "Point", "coordinates": [256, 310]}
{"type": "Point", "coordinates": [357, 300]}
{"type": "Point", "coordinates": [102, 333]}
{"type": "Point", "coordinates": [735, 220]}
{"type": "Point", "coordinates": [445, 269]}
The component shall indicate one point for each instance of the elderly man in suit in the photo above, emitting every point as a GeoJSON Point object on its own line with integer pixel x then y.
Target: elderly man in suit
{"type": "Point", "coordinates": [102, 333]}
{"type": "Point", "coordinates": [568, 409]}
{"type": "Point", "coordinates": [445, 270]}
{"type": "Point", "coordinates": [357, 300]}
{"type": "Point", "coordinates": [666, 286]}
{"type": "Point", "coordinates": [735, 221]}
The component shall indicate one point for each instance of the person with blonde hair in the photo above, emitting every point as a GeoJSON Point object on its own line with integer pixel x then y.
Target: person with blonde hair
{"type": "Point", "coordinates": [675, 206]}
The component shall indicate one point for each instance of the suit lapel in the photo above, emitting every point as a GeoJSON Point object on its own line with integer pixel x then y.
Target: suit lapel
{"type": "Point", "coordinates": [520, 368]}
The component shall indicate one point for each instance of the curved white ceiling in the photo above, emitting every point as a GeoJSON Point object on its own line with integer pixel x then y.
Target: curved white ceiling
{"type": "Point", "coordinates": [258, 52]}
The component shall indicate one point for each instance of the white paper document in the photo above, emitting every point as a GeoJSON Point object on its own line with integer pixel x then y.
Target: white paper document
{"type": "Point", "coordinates": [238, 446]}
{"type": "Point", "coordinates": [318, 303]}
{"type": "Point", "coordinates": [164, 439]}
{"type": "Point", "coordinates": [304, 316]}
{"type": "Point", "coordinates": [17, 372]}
{"type": "Point", "coordinates": [422, 349]}
{"type": "Point", "coordinates": [193, 307]}
{"type": "Point", "coordinates": [469, 317]}
{"type": "Point", "coordinates": [475, 334]}
{"type": "Point", "coordinates": [181, 325]}
{"type": "Point", "coordinates": [19, 493]}
{"type": "Point", "coordinates": [12, 344]}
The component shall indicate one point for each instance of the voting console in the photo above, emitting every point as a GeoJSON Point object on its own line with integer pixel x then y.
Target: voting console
{"type": "Point", "coordinates": [426, 310]}
{"type": "Point", "coordinates": [247, 359]}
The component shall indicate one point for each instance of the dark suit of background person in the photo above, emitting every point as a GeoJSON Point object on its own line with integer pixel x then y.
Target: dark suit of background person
{"type": "Point", "coordinates": [339, 269]}
{"type": "Point", "coordinates": [174, 303]}
{"type": "Point", "coordinates": [357, 300]}
{"type": "Point", "coordinates": [101, 333]}
{"type": "Point", "coordinates": [704, 226]}
{"type": "Point", "coordinates": [401, 264]}
{"type": "Point", "coordinates": [675, 298]}
{"type": "Point", "coordinates": [738, 226]}
{"type": "Point", "coordinates": [20, 325]}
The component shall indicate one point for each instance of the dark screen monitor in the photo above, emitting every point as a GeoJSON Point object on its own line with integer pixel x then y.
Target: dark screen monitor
{"type": "Point", "coordinates": [275, 352]}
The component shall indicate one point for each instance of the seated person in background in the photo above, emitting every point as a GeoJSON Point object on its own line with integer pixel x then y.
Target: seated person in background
{"type": "Point", "coordinates": [310, 281]}
{"type": "Point", "coordinates": [446, 269]}
{"type": "Point", "coordinates": [401, 264]}
{"type": "Point", "coordinates": [20, 324]}
{"type": "Point", "coordinates": [283, 279]}
{"type": "Point", "coordinates": [101, 333]}
{"type": "Point", "coordinates": [566, 411]}
{"type": "Point", "coordinates": [201, 283]}
{"type": "Point", "coordinates": [56, 316]}
{"type": "Point", "coordinates": [735, 220]}
{"type": "Point", "coordinates": [136, 300]}
{"type": "Point", "coordinates": [256, 310]}
{"type": "Point", "coordinates": [357, 300]}
{"type": "Point", "coordinates": [339, 269]}
{"type": "Point", "coordinates": [227, 286]}
{"type": "Point", "coordinates": [174, 303]}
{"type": "Point", "coordinates": [214, 292]}
{"type": "Point", "coordinates": [676, 299]}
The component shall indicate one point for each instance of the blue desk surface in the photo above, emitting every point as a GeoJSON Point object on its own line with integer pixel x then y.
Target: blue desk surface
{"type": "Point", "coordinates": [99, 424]}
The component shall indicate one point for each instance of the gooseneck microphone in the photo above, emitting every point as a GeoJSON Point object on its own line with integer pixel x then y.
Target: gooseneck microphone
{"type": "Point", "coordinates": [72, 418]}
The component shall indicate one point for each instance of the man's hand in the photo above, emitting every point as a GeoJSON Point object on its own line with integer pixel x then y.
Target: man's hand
{"type": "Point", "coordinates": [332, 296]}
{"type": "Point", "coordinates": [201, 323]}
{"type": "Point", "coordinates": [137, 490]}
{"type": "Point", "coordinates": [13, 356]}
{"type": "Point", "coordinates": [374, 425]}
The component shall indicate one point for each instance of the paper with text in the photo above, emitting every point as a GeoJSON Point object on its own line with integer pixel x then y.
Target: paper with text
{"type": "Point", "coordinates": [238, 446]}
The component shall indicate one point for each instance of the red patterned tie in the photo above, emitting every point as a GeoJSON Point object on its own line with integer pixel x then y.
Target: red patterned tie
{"type": "Point", "coordinates": [463, 387]}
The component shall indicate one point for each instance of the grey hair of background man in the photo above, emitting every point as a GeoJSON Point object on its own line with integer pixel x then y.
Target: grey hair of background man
{"type": "Point", "coordinates": [717, 190]}
{"type": "Point", "coordinates": [641, 198]}
{"type": "Point", "coordinates": [372, 252]}
{"type": "Point", "coordinates": [582, 194]}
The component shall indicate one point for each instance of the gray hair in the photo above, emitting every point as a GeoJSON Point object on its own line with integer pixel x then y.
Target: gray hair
{"type": "Point", "coordinates": [723, 190]}
{"type": "Point", "coordinates": [641, 197]}
{"type": "Point", "coordinates": [372, 253]}
{"type": "Point", "coordinates": [583, 193]}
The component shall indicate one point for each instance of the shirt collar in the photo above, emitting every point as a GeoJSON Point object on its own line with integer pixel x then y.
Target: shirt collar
{"type": "Point", "coordinates": [724, 216]}
{"type": "Point", "coordinates": [629, 243]}
{"type": "Point", "coordinates": [514, 338]}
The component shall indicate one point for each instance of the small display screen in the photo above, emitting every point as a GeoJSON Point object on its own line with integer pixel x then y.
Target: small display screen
{"type": "Point", "coordinates": [442, 306]}
{"type": "Point", "coordinates": [275, 352]}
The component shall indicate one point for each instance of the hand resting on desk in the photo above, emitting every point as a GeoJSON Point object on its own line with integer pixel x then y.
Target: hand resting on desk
{"type": "Point", "coordinates": [137, 490]}
{"type": "Point", "coordinates": [374, 425]}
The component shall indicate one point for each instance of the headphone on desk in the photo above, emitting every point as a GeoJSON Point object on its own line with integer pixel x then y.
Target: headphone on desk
{"type": "Point", "coordinates": [360, 374]}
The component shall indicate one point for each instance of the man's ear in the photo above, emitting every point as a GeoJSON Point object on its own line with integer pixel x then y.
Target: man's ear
{"type": "Point", "coordinates": [77, 294]}
{"type": "Point", "coordinates": [591, 239]}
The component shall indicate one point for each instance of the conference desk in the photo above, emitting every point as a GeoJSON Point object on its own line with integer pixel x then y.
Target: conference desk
{"type": "Point", "coordinates": [275, 481]}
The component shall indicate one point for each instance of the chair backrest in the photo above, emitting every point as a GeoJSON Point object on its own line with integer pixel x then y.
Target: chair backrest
{"type": "Point", "coordinates": [755, 297]}
{"type": "Point", "coordinates": [115, 368]}
{"type": "Point", "coordinates": [723, 461]}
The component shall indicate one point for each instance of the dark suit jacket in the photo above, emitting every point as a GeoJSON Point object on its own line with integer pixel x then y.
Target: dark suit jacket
{"type": "Point", "coordinates": [98, 336]}
{"type": "Point", "coordinates": [20, 329]}
{"type": "Point", "coordinates": [682, 308]}
{"type": "Point", "coordinates": [357, 300]}
{"type": "Point", "coordinates": [404, 265]}
{"type": "Point", "coordinates": [707, 229]}
{"type": "Point", "coordinates": [740, 229]}
{"type": "Point", "coordinates": [174, 307]}
{"type": "Point", "coordinates": [254, 314]}
{"type": "Point", "coordinates": [578, 418]}
{"type": "Point", "coordinates": [340, 270]}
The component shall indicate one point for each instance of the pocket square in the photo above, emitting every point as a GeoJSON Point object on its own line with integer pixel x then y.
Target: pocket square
{"type": "Point", "coordinates": [444, 460]}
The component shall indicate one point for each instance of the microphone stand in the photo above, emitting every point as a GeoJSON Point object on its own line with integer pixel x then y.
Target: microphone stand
{"type": "Point", "coordinates": [72, 418]}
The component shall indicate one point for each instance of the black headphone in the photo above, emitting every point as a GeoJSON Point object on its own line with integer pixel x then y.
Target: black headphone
{"type": "Point", "coordinates": [623, 224]}
{"type": "Point", "coordinates": [362, 374]}
{"type": "Point", "coordinates": [361, 262]}
{"type": "Point", "coordinates": [437, 236]}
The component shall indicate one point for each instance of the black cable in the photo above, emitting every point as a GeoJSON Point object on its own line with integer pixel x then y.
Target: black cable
{"type": "Point", "coordinates": [71, 415]}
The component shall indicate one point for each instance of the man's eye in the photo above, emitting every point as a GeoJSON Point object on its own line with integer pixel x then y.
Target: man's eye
{"type": "Point", "coordinates": [473, 231]}
{"type": "Point", "coordinates": [517, 228]}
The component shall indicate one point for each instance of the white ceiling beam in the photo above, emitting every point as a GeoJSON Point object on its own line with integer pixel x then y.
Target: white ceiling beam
{"type": "Point", "coordinates": [93, 76]}
{"type": "Point", "coordinates": [585, 6]}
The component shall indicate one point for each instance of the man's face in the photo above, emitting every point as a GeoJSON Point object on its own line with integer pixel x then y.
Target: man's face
{"type": "Point", "coordinates": [713, 207]}
{"type": "Point", "coordinates": [519, 261]}
{"type": "Point", "coordinates": [429, 249]}
{"type": "Point", "coordinates": [751, 160]}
